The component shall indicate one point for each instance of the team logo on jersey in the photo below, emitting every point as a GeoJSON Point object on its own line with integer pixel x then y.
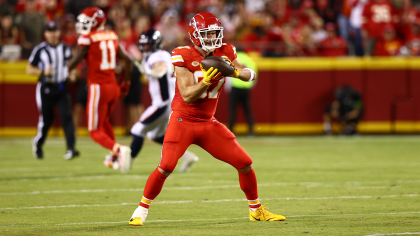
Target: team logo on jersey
{"type": "Point", "coordinates": [195, 63]}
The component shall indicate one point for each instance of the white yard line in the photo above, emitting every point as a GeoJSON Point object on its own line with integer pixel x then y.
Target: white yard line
{"type": "Point", "coordinates": [185, 175]}
{"type": "Point", "coordinates": [111, 176]}
{"type": "Point", "coordinates": [74, 191]}
{"type": "Point", "coordinates": [92, 177]}
{"type": "Point", "coordinates": [377, 187]}
{"type": "Point", "coordinates": [318, 198]}
{"type": "Point", "coordinates": [405, 233]}
{"type": "Point", "coordinates": [221, 219]}
{"type": "Point", "coordinates": [212, 201]}
{"type": "Point", "coordinates": [313, 164]}
{"type": "Point", "coordinates": [355, 185]}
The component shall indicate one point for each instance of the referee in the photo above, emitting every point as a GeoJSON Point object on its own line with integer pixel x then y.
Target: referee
{"type": "Point", "coordinates": [241, 94]}
{"type": "Point", "coordinates": [49, 60]}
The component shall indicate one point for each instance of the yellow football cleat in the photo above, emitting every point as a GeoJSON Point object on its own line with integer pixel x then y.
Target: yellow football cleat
{"type": "Point", "coordinates": [136, 221]}
{"type": "Point", "coordinates": [261, 214]}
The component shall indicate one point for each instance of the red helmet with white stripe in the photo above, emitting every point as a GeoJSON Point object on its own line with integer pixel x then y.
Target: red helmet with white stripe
{"type": "Point", "coordinates": [198, 27]}
{"type": "Point", "coordinates": [91, 19]}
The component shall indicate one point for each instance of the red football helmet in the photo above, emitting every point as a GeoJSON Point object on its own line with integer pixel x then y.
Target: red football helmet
{"type": "Point", "coordinates": [91, 19]}
{"type": "Point", "coordinates": [198, 27]}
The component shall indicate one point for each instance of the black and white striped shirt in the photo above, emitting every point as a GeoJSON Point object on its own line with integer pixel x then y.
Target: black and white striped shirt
{"type": "Point", "coordinates": [44, 56]}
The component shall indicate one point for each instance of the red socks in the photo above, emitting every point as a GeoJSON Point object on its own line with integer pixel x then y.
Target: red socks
{"type": "Point", "coordinates": [248, 183]}
{"type": "Point", "coordinates": [153, 187]}
{"type": "Point", "coordinates": [102, 138]}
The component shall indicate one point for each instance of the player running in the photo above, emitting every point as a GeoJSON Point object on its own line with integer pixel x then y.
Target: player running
{"type": "Point", "coordinates": [192, 120]}
{"type": "Point", "coordinates": [157, 67]}
{"type": "Point", "coordinates": [100, 48]}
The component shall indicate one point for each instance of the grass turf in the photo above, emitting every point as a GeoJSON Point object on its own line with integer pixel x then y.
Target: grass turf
{"type": "Point", "coordinates": [323, 185]}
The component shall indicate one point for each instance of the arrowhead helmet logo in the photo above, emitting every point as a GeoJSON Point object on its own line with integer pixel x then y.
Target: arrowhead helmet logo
{"type": "Point", "coordinates": [193, 23]}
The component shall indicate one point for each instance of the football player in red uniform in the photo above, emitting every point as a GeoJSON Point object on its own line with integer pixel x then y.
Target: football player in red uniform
{"type": "Point", "coordinates": [192, 122]}
{"type": "Point", "coordinates": [100, 47]}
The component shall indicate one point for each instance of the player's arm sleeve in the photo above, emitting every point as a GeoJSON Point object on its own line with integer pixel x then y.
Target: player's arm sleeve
{"type": "Point", "coordinates": [83, 40]}
{"type": "Point", "coordinates": [159, 61]}
{"type": "Point", "coordinates": [177, 58]}
{"type": "Point", "coordinates": [128, 63]}
{"type": "Point", "coordinates": [161, 56]}
{"type": "Point", "coordinates": [35, 57]}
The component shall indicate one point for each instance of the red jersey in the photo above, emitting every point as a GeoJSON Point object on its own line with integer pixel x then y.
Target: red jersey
{"type": "Point", "coordinates": [376, 15]}
{"type": "Point", "coordinates": [189, 57]}
{"type": "Point", "coordinates": [387, 48]}
{"type": "Point", "coordinates": [408, 17]}
{"type": "Point", "coordinates": [334, 47]}
{"type": "Point", "coordinates": [102, 56]}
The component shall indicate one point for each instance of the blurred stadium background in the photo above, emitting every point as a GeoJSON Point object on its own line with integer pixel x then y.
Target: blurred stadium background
{"type": "Point", "coordinates": [303, 50]}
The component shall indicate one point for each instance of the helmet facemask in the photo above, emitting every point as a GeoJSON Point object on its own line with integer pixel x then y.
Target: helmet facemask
{"type": "Point", "coordinates": [85, 24]}
{"type": "Point", "coordinates": [146, 49]}
{"type": "Point", "coordinates": [209, 44]}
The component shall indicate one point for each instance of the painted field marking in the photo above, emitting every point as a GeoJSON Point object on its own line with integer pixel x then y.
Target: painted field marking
{"type": "Point", "coordinates": [313, 164]}
{"type": "Point", "coordinates": [405, 233]}
{"type": "Point", "coordinates": [307, 184]}
{"type": "Point", "coordinates": [212, 201]}
{"type": "Point", "coordinates": [105, 177]}
{"type": "Point", "coordinates": [236, 218]}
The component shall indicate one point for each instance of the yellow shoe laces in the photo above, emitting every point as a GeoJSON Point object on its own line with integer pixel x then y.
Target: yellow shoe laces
{"type": "Point", "coordinates": [264, 211]}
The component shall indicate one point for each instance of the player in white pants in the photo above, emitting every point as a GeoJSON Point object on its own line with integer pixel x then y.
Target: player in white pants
{"type": "Point", "coordinates": [157, 66]}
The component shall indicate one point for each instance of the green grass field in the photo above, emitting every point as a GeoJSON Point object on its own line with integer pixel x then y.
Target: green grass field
{"type": "Point", "coordinates": [366, 185]}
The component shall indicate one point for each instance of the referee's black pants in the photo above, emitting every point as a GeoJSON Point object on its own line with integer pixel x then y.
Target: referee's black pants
{"type": "Point", "coordinates": [49, 95]}
{"type": "Point", "coordinates": [242, 97]}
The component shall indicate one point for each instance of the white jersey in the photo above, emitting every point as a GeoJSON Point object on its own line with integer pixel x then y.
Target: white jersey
{"type": "Point", "coordinates": [161, 90]}
{"type": "Point", "coordinates": [356, 14]}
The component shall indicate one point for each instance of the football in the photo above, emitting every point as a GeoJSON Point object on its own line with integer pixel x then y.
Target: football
{"type": "Point", "coordinates": [220, 63]}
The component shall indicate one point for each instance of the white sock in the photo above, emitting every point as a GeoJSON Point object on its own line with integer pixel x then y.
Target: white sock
{"type": "Point", "coordinates": [141, 212]}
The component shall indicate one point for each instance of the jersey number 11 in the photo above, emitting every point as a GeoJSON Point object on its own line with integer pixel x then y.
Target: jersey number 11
{"type": "Point", "coordinates": [104, 46]}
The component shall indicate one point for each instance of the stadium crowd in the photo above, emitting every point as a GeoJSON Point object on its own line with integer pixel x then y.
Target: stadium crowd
{"type": "Point", "coordinates": [275, 28]}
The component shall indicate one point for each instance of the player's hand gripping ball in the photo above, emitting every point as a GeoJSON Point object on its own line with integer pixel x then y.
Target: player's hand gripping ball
{"type": "Point", "coordinates": [210, 75]}
{"type": "Point", "coordinates": [225, 67]}
{"type": "Point", "coordinates": [235, 73]}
